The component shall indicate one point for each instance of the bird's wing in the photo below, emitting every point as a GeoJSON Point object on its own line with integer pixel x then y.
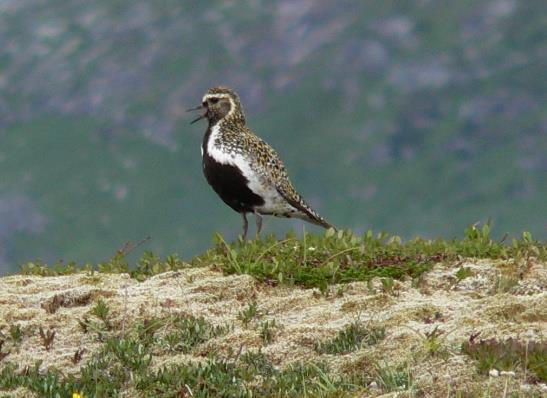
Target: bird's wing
{"type": "Point", "coordinates": [266, 157]}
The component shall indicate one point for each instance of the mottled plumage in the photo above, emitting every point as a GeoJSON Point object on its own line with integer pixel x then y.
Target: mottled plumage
{"type": "Point", "coordinates": [243, 169]}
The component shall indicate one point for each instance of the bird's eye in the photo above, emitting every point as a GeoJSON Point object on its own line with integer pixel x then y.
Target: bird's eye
{"type": "Point", "coordinates": [214, 100]}
{"type": "Point", "coordinates": [204, 103]}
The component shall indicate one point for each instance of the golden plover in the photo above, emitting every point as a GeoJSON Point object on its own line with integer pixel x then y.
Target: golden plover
{"type": "Point", "coordinates": [244, 170]}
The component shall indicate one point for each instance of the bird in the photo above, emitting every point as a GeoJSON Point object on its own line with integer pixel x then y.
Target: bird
{"type": "Point", "coordinates": [243, 169]}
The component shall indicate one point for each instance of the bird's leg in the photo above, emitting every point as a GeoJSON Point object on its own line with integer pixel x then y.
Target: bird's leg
{"type": "Point", "coordinates": [258, 223]}
{"type": "Point", "coordinates": [245, 225]}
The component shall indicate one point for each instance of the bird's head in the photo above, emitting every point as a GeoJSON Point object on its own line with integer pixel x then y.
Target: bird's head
{"type": "Point", "coordinates": [220, 103]}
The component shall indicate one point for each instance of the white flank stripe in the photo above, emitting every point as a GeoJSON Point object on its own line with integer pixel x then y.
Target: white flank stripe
{"type": "Point", "coordinates": [274, 203]}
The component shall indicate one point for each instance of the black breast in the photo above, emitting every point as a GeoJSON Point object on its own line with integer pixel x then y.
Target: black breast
{"type": "Point", "coordinates": [230, 184]}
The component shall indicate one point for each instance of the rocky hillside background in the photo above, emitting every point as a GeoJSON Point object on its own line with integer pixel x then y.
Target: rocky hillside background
{"type": "Point", "coordinates": [419, 117]}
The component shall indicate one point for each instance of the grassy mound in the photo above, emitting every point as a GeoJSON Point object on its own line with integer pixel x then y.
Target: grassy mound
{"type": "Point", "coordinates": [317, 261]}
{"type": "Point", "coordinates": [333, 315]}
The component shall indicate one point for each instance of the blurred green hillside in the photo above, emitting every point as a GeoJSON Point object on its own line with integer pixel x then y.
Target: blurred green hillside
{"type": "Point", "coordinates": [415, 117]}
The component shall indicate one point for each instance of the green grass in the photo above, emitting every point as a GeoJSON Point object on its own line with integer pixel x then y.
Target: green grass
{"type": "Point", "coordinates": [248, 314]}
{"type": "Point", "coordinates": [124, 361]}
{"type": "Point", "coordinates": [463, 272]}
{"type": "Point", "coordinates": [351, 338]}
{"type": "Point", "coordinates": [383, 378]}
{"type": "Point", "coordinates": [148, 265]}
{"type": "Point", "coordinates": [187, 332]}
{"type": "Point", "coordinates": [341, 257]}
{"type": "Point", "coordinates": [102, 311]}
{"type": "Point", "coordinates": [316, 261]}
{"type": "Point", "coordinates": [16, 333]}
{"type": "Point", "coordinates": [267, 331]}
{"type": "Point", "coordinates": [394, 378]}
{"type": "Point", "coordinates": [509, 354]}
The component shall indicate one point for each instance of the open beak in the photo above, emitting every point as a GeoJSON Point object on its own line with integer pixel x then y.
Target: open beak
{"type": "Point", "coordinates": [197, 108]}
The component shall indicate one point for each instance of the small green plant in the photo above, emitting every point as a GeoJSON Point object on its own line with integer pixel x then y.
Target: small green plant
{"type": "Point", "coordinates": [300, 379]}
{"type": "Point", "coordinates": [390, 378]}
{"type": "Point", "coordinates": [267, 330]}
{"type": "Point", "coordinates": [102, 311]}
{"type": "Point", "coordinates": [16, 333]}
{"type": "Point", "coordinates": [340, 290]}
{"type": "Point", "coordinates": [257, 363]}
{"type": "Point", "coordinates": [463, 272]}
{"type": "Point", "coordinates": [434, 343]}
{"type": "Point", "coordinates": [87, 325]}
{"type": "Point", "coordinates": [477, 241]}
{"type": "Point", "coordinates": [131, 353]}
{"type": "Point", "coordinates": [150, 265]}
{"type": "Point", "coordinates": [147, 266]}
{"type": "Point", "coordinates": [247, 315]}
{"type": "Point", "coordinates": [59, 268]}
{"type": "Point", "coordinates": [351, 338]}
{"type": "Point", "coordinates": [388, 285]}
{"type": "Point", "coordinates": [147, 328]}
{"type": "Point", "coordinates": [186, 332]}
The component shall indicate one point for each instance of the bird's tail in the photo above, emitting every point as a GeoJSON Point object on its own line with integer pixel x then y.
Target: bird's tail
{"type": "Point", "coordinates": [307, 213]}
{"type": "Point", "coordinates": [320, 221]}
{"type": "Point", "coordinates": [310, 215]}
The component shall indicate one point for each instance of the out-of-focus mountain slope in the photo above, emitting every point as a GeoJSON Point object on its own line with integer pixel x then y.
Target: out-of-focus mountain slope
{"type": "Point", "coordinates": [418, 118]}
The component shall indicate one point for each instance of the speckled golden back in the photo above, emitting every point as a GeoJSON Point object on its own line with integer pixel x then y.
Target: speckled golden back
{"type": "Point", "coordinates": [236, 136]}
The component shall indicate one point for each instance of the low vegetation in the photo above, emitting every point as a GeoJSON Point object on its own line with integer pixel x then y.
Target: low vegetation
{"type": "Point", "coordinates": [125, 361]}
{"type": "Point", "coordinates": [508, 355]}
{"type": "Point", "coordinates": [318, 261]}
{"type": "Point", "coordinates": [351, 338]}
{"type": "Point", "coordinates": [238, 349]}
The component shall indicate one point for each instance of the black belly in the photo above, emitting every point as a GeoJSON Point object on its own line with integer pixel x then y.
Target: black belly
{"type": "Point", "coordinates": [230, 185]}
